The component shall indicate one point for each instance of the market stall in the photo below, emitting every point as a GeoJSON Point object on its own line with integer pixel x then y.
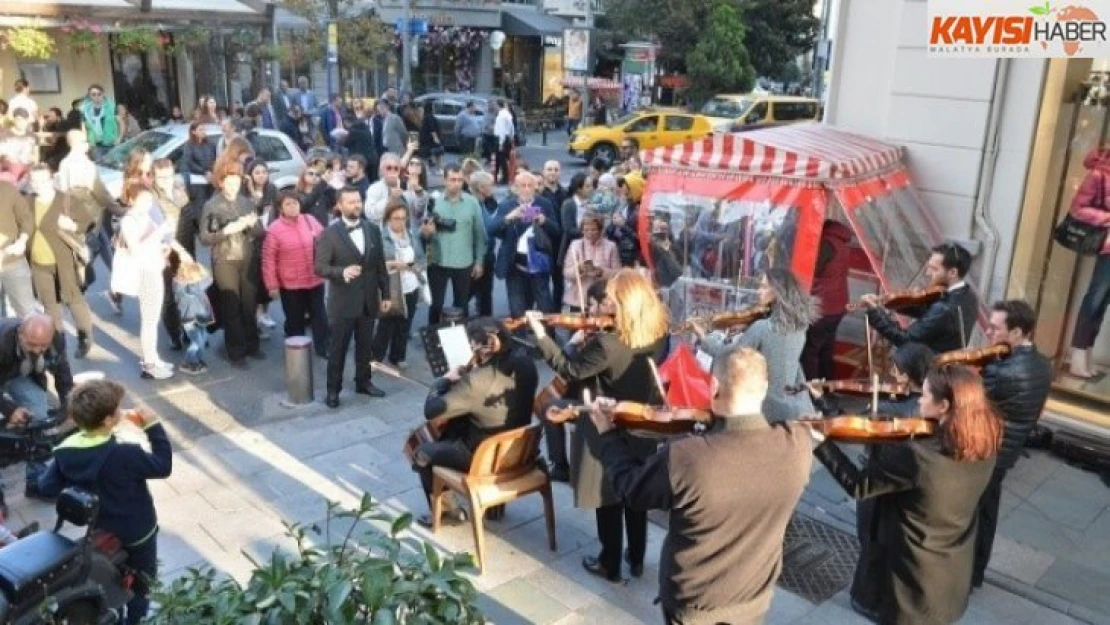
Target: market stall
{"type": "Point", "coordinates": [726, 208]}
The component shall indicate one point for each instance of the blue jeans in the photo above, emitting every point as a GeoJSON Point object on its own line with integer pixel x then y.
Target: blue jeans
{"type": "Point", "coordinates": [143, 559]}
{"type": "Point", "coordinates": [1093, 309]}
{"type": "Point", "coordinates": [528, 291]}
{"type": "Point", "coordinates": [27, 394]}
{"type": "Point", "coordinates": [198, 341]}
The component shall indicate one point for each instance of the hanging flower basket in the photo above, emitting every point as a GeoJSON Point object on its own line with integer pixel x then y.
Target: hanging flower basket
{"type": "Point", "coordinates": [139, 40]}
{"type": "Point", "coordinates": [82, 37]}
{"type": "Point", "coordinates": [28, 43]}
{"type": "Point", "coordinates": [271, 52]}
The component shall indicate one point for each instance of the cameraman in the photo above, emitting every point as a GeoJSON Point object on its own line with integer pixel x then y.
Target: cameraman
{"type": "Point", "coordinates": [29, 349]}
{"type": "Point", "coordinates": [454, 237]}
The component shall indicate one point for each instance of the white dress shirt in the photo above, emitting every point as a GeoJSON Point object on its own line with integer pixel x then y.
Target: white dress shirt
{"type": "Point", "coordinates": [503, 126]}
{"type": "Point", "coordinates": [357, 235]}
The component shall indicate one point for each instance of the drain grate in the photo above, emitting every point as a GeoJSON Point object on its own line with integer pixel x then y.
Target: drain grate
{"type": "Point", "coordinates": [817, 560]}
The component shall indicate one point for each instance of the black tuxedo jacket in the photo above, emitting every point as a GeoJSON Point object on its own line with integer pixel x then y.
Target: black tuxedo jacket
{"type": "Point", "coordinates": [335, 251]}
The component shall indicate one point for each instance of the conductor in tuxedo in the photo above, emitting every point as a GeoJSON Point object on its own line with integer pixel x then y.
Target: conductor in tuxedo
{"type": "Point", "coordinates": [349, 256]}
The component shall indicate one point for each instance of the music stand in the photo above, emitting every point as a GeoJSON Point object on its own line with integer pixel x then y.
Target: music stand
{"type": "Point", "coordinates": [433, 350]}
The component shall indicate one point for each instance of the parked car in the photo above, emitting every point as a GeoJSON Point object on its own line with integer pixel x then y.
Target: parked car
{"type": "Point", "coordinates": [648, 128]}
{"type": "Point", "coordinates": [447, 107]}
{"type": "Point", "coordinates": [750, 110]}
{"type": "Point", "coordinates": [284, 158]}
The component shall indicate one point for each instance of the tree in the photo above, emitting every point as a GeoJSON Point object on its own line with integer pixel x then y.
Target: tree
{"type": "Point", "coordinates": [720, 63]}
{"type": "Point", "coordinates": [676, 24]}
{"type": "Point", "coordinates": [779, 31]}
{"type": "Point", "coordinates": [362, 36]}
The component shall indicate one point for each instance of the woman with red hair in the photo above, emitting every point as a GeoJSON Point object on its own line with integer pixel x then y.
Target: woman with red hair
{"type": "Point", "coordinates": [926, 493]}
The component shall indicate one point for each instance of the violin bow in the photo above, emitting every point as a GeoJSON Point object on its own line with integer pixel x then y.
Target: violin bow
{"type": "Point", "coordinates": [658, 383]}
{"type": "Point", "coordinates": [394, 373]}
{"type": "Point", "coordinates": [578, 279]}
{"type": "Point", "coordinates": [960, 314]}
{"type": "Point", "coordinates": [871, 367]}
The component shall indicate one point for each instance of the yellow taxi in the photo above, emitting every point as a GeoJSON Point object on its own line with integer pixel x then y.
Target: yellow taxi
{"type": "Point", "coordinates": [648, 128]}
{"type": "Point", "coordinates": [736, 111]}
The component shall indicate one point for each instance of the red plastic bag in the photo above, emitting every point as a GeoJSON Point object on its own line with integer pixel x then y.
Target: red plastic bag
{"type": "Point", "coordinates": [689, 384]}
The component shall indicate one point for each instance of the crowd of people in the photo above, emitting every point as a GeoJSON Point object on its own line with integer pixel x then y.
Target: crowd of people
{"type": "Point", "coordinates": [353, 251]}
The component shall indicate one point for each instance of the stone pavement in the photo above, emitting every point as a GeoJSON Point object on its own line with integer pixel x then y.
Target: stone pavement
{"type": "Point", "coordinates": [234, 484]}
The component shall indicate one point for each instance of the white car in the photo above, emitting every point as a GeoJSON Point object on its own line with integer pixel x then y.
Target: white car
{"type": "Point", "coordinates": [282, 156]}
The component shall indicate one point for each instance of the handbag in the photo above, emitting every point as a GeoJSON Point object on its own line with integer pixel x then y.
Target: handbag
{"type": "Point", "coordinates": [539, 263]}
{"type": "Point", "coordinates": [1079, 236]}
{"type": "Point", "coordinates": [397, 307]}
{"type": "Point", "coordinates": [125, 272]}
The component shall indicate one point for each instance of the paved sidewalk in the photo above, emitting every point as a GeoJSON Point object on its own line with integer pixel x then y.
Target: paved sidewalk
{"type": "Point", "coordinates": [230, 491]}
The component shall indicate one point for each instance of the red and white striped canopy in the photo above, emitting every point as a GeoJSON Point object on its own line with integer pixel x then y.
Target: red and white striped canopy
{"type": "Point", "coordinates": [810, 150]}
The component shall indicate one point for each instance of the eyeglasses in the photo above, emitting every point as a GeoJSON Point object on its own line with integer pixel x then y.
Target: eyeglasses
{"type": "Point", "coordinates": [393, 168]}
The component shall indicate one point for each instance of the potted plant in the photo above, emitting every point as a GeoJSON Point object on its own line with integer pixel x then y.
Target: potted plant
{"type": "Point", "coordinates": [28, 42]}
{"type": "Point", "coordinates": [137, 40]}
{"type": "Point", "coordinates": [270, 52]}
{"type": "Point", "coordinates": [368, 574]}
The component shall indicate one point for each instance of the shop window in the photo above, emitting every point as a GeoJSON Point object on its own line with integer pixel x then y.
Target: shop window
{"type": "Point", "coordinates": [146, 83]}
{"type": "Point", "coordinates": [678, 123]}
{"type": "Point", "coordinates": [646, 124]}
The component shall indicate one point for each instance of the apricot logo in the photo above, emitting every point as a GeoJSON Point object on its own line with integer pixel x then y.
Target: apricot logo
{"type": "Point", "coordinates": [1011, 28]}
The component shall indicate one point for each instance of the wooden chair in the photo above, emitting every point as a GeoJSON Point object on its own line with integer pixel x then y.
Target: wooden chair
{"type": "Point", "coordinates": [503, 469]}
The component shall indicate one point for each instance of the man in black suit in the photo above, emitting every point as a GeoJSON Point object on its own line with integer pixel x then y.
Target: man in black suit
{"type": "Point", "coordinates": [944, 325]}
{"type": "Point", "coordinates": [349, 256]}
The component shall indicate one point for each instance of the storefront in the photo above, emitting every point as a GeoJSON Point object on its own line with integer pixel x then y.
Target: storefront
{"type": "Point", "coordinates": [531, 59]}
{"type": "Point", "coordinates": [996, 149]}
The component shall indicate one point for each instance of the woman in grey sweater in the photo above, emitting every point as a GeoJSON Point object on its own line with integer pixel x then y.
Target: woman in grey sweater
{"type": "Point", "coordinates": [780, 338]}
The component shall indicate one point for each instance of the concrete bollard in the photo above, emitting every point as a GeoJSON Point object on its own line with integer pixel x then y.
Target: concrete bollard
{"type": "Point", "coordinates": [298, 370]}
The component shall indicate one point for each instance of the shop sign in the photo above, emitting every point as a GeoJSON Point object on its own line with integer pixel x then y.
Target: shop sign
{"type": "Point", "coordinates": [576, 50]}
{"type": "Point", "coordinates": [572, 8]}
{"type": "Point", "coordinates": [552, 41]}
{"type": "Point", "coordinates": [1014, 29]}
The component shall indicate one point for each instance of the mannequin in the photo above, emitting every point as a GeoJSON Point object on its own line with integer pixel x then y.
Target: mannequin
{"type": "Point", "coordinates": [1090, 205]}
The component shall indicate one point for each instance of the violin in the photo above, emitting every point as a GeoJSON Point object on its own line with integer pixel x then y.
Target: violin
{"type": "Point", "coordinates": [636, 416]}
{"type": "Point", "coordinates": [727, 320]}
{"type": "Point", "coordinates": [557, 389]}
{"type": "Point", "coordinates": [855, 386]}
{"type": "Point", "coordinates": [868, 430]}
{"type": "Point", "coordinates": [570, 321]}
{"type": "Point", "coordinates": [976, 357]}
{"type": "Point", "coordinates": [907, 298]}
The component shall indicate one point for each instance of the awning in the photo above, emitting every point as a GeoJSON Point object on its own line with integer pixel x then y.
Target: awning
{"type": "Point", "coordinates": [808, 150]}
{"type": "Point", "coordinates": [526, 21]}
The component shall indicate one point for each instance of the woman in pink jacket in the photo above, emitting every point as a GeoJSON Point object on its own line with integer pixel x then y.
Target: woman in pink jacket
{"type": "Point", "coordinates": [1090, 205]}
{"type": "Point", "coordinates": [288, 271]}
{"type": "Point", "coordinates": [593, 257]}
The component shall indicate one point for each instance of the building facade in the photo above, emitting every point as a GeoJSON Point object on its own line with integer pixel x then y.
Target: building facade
{"type": "Point", "coordinates": [997, 149]}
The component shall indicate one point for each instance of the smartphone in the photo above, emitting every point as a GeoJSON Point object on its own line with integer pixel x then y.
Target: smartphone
{"type": "Point", "coordinates": [531, 213]}
{"type": "Point", "coordinates": [414, 137]}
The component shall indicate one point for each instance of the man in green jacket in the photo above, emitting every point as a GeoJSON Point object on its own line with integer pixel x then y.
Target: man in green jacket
{"type": "Point", "coordinates": [98, 112]}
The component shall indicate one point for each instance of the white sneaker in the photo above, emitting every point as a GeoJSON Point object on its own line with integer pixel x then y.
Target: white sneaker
{"type": "Point", "coordinates": [156, 372]}
{"type": "Point", "coordinates": [265, 321]}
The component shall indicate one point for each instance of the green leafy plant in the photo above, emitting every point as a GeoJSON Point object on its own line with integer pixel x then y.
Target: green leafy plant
{"type": "Point", "coordinates": [272, 52]}
{"type": "Point", "coordinates": [1041, 10]}
{"type": "Point", "coordinates": [138, 40]}
{"type": "Point", "coordinates": [720, 62]}
{"type": "Point", "coordinates": [371, 575]}
{"type": "Point", "coordinates": [28, 42]}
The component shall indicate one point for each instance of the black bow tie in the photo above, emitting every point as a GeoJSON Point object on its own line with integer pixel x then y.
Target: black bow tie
{"type": "Point", "coordinates": [355, 227]}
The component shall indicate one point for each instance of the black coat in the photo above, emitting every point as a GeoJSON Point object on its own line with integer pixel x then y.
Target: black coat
{"type": "Point", "coordinates": [335, 251]}
{"type": "Point", "coordinates": [197, 160]}
{"type": "Point", "coordinates": [319, 202]}
{"type": "Point", "coordinates": [1018, 386]}
{"type": "Point", "coordinates": [361, 141]}
{"type": "Point", "coordinates": [614, 370]}
{"type": "Point", "coordinates": [938, 327]}
{"type": "Point", "coordinates": [54, 361]}
{"type": "Point", "coordinates": [926, 507]}
{"type": "Point", "coordinates": [492, 398]}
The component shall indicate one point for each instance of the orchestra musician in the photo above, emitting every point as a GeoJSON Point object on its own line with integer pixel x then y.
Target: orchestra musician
{"type": "Point", "coordinates": [926, 495]}
{"type": "Point", "coordinates": [723, 550]}
{"type": "Point", "coordinates": [1018, 386]}
{"type": "Point", "coordinates": [555, 433]}
{"type": "Point", "coordinates": [780, 338]}
{"type": "Point", "coordinates": [910, 365]}
{"type": "Point", "coordinates": [492, 397]}
{"type": "Point", "coordinates": [619, 359]}
{"type": "Point", "coordinates": [946, 324]}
